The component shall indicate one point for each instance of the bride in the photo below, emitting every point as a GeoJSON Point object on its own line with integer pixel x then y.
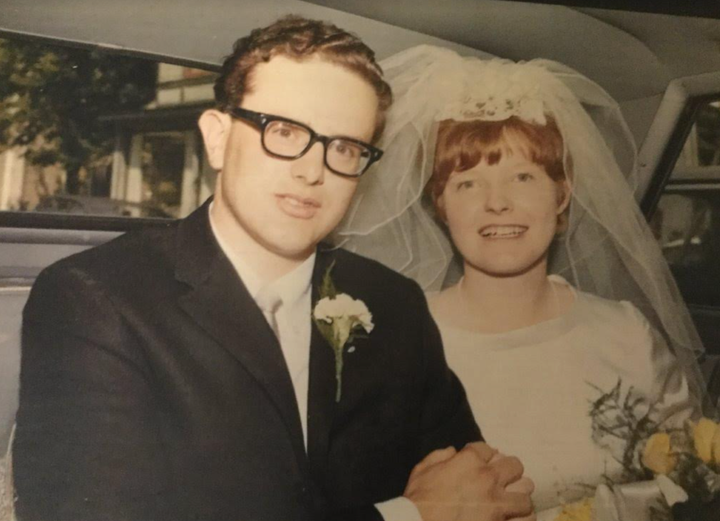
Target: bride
{"type": "Point", "coordinates": [528, 172]}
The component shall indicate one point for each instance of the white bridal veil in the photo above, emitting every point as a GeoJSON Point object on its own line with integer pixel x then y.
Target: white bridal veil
{"type": "Point", "coordinates": [608, 248]}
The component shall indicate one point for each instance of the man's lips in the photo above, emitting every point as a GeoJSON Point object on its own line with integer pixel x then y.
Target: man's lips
{"type": "Point", "coordinates": [502, 231]}
{"type": "Point", "coordinates": [297, 206]}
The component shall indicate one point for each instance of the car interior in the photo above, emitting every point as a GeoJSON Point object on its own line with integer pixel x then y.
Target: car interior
{"type": "Point", "coordinates": [663, 69]}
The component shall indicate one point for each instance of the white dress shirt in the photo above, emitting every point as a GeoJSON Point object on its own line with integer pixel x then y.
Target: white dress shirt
{"type": "Point", "coordinates": [294, 325]}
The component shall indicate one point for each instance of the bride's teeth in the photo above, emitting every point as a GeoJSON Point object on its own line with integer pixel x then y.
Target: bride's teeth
{"type": "Point", "coordinates": [503, 231]}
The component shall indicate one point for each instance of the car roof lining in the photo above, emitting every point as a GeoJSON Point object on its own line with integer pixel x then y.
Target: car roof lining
{"type": "Point", "coordinates": [628, 53]}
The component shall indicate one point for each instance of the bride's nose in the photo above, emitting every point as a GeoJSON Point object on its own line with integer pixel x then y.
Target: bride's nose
{"type": "Point", "coordinates": [497, 199]}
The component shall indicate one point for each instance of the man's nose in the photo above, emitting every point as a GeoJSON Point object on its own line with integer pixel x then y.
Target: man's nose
{"type": "Point", "coordinates": [497, 200]}
{"type": "Point", "coordinates": [310, 167]}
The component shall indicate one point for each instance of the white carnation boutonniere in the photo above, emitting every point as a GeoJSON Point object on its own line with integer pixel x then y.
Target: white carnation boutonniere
{"type": "Point", "coordinates": [340, 318]}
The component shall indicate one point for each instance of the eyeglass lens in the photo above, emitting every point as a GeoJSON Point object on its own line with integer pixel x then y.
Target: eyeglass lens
{"type": "Point", "coordinates": [285, 139]}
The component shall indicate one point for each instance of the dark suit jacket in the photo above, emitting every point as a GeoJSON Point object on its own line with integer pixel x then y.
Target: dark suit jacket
{"type": "Point", "coordinates": [153, 388]}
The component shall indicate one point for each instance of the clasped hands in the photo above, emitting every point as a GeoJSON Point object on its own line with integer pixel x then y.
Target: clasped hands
{"type": "Point", "coordinates": [475, 484]}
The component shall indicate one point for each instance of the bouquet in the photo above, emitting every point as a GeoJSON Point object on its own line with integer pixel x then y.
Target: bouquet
{"type": "Point", "coordinates": [684, 461]}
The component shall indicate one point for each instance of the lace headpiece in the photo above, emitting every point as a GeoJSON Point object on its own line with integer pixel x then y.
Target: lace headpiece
{"type": "Point", "coordinates": [501, 90]}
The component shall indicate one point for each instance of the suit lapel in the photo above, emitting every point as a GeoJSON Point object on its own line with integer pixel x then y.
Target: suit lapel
{"type": "Point", "coordinates": [220, 304]}
{"type": "Point", "coordinates": [321, 395]}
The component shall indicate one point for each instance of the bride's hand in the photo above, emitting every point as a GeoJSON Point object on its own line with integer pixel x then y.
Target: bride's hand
{"type": "Point", "coordinates": [524, 485]}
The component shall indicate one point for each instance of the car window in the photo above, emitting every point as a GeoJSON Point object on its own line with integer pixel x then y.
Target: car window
{"type": "Point", "coordinates": [85, 132]}
{"type": "Point", "coordinates": [687, 219]}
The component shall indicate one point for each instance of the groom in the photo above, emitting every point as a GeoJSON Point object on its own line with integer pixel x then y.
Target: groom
{"type": "Point", "coordinates": [175, 373]}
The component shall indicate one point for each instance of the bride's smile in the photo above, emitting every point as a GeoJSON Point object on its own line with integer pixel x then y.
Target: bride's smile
{"type": "Point", "coordinates": [502, 231]}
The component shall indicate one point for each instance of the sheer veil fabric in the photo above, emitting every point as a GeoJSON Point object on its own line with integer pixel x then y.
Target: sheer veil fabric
{"type": "Point", "coordinates": [607, 249]}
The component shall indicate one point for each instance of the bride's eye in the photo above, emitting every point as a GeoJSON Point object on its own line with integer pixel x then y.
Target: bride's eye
{"type": "Point", "coordinates": [524, 177]}
{"type": "Point", "coordinates": [463, 185]}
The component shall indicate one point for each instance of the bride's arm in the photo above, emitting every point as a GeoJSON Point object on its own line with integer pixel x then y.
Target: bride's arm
{"type": "Point", "coordinates": [660, 375]}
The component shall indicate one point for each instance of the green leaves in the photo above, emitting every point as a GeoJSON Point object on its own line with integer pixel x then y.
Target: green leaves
{"type": "Point", "coordinates": [625, 417]}
{"type": "Point", "coordinates": [52, 99]}
{"type": "Point", "coordinates": [327, 286]}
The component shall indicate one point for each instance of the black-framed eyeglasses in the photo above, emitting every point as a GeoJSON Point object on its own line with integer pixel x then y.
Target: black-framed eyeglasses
{"type": "Point", "coordinates": [288, 139]}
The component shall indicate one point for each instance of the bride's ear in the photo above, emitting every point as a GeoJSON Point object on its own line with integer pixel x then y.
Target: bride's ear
{"type": "Point", "coordinates": [439, 205]}
{"type": "Point", "coordinates": [215, 128]}
{"type": "Point", "coordinates": [564, 195]}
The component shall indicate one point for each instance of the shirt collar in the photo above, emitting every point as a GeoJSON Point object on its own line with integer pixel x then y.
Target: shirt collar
{"type": "Point", "coordinates": [291, 286]}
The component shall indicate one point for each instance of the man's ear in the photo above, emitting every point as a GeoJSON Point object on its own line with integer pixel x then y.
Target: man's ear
{"type": "Point", "coordinates": [215, 128]}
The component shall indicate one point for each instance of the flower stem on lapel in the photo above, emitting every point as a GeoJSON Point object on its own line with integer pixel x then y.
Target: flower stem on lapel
{"type": "Point", "coordinates": [338, 374]}
{"type": "Point", "coordinates": [338, 316]}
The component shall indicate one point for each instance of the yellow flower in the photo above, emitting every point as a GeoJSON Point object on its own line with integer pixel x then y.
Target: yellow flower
{"type": "Point", "coordinates": [578, 511]}
{"type": "Point", "coordinates": [658, 455]}
{"type": "Point", "coordinates": [703, 434]}
{"type": "Point", "coordinates": [716, 446]}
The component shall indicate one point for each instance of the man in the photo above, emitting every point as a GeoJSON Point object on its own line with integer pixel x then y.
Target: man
{"type": "Point", "coordinates": [153, 386]}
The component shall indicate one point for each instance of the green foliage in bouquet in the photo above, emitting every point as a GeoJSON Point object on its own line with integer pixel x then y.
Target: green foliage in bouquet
{"type": "Point", "coordinates": [623, 421]}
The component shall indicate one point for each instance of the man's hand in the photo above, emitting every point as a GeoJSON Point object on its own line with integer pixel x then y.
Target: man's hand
{"type": "Point", "coordinates": [475, 484]}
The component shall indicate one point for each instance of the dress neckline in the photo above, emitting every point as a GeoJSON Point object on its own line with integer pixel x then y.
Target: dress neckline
{"type": "Point", "coordinates": [524, 336]}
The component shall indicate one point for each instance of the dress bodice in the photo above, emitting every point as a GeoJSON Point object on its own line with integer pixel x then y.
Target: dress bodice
{"type": "Point", "coordinates": [530, 389]}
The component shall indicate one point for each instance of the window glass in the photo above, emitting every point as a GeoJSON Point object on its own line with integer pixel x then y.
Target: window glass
{"type": "Point", "coordinates": [163, 157]}
{"type": "Point", "coordinates": [689, 232]}
{"type": "Point", "coordinates": [687, 220]}
{"type": "Point", "coordinates": [86, 132]}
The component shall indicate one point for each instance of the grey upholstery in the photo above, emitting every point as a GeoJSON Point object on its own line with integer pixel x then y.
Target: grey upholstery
{"type": "Point", "coordinates": [12, 300]}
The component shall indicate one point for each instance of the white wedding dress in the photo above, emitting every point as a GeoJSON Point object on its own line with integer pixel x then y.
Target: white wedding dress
{"type": "Point", "coordinates": [531, 389]}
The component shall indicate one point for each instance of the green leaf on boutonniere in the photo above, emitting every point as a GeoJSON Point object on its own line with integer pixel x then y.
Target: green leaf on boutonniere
{"type": "Point", "coordinates": [327, 286]}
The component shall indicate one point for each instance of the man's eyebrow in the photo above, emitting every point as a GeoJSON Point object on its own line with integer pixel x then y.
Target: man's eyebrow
{"type": "Point", "coordinates": [302, 122]}
{"type": "Point", "coordinates": [308, 125]}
